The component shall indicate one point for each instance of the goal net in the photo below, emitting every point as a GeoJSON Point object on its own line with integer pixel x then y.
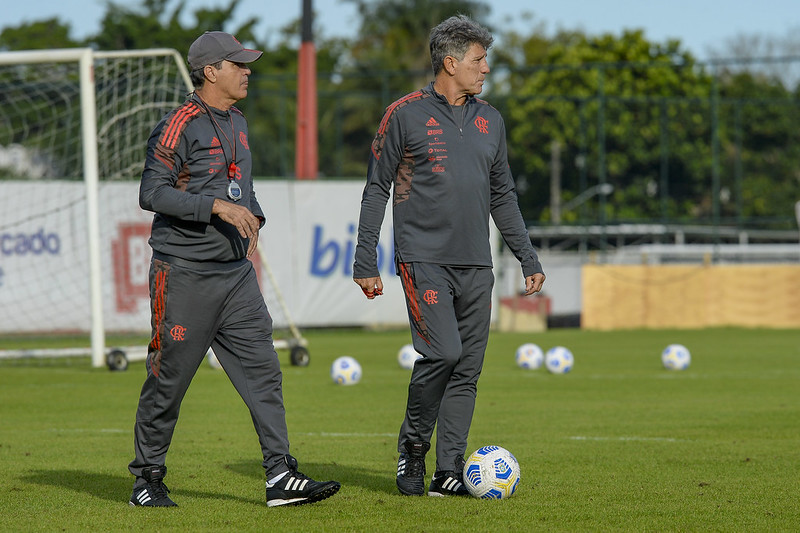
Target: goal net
{"type": "Point", "coordinates": [74, 256]}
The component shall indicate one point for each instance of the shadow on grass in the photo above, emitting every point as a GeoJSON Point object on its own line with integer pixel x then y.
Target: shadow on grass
{"type": "Point", "coordinates": [110, 487]}
{"type": "Point", "coordinates": [347, 475]}
{"type": "Point", "coordinates": [117, 488]}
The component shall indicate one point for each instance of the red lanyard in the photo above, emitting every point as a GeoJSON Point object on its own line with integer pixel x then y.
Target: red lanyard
{"type": "Point", "coordinates": [232, 166]}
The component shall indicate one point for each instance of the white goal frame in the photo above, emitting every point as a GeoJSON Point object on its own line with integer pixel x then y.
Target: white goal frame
{"type": "Point", "coordinates": [92, 169]}
{"type": "Point", "coordinates": [85, 58]}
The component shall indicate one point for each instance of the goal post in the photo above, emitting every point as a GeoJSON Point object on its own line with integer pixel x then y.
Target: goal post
{"type": "Point", "coordinates": [91, 179]}
{"type": "Point", "coordinates": [121, 94]}
{"type": "Point", "coordinates": [74, 257]}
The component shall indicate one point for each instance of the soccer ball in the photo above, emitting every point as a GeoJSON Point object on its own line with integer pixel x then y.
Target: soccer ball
{"type": "Point", "coordinates": [346, 371]}
{"type": "Point", "coordinates": [558, 360]}
{"type": "Point", "coordinates": [407, 356]}
{"type": "Point", "coordinates": [529, 356]}
{"type": "Point", "coordinates": [491, 472]}
{"type": "Point", "coordinates": [676, 357]}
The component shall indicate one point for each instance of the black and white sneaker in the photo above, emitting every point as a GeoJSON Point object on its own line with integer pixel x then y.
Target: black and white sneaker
{"type": "Point", "coordinates": [447, 484]}
{"type": "Point", "coordinates": [154, 492]}
{"type": "Point", "coordinates": [411, 469]}
{"type": "Point", "coordinates": [450, 482]}
{"type": "Point", "coordinates": [295, 488]}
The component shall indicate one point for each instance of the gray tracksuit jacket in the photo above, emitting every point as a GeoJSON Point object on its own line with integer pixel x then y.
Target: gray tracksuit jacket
{"type": "Point", "coordinates": [188, 155]}
{"type": "Point", "coordinates": [449, 168]}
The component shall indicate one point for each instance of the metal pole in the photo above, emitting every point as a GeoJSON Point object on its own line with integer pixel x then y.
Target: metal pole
{"type": "Point", "coordinates": [601, 152]}
{"type": "Point", "coordinates": [738, 170]}
{"type": "Point", "coordinates": [664, 186]}
{"type": "Point", "coordinates": [555, 182]}
{"type": "Point", "coordinates": [306, 136]}
{"type": "Point", "coordinates": [582, 167]}
{"type": "Point", "coordinates": [715, 176]}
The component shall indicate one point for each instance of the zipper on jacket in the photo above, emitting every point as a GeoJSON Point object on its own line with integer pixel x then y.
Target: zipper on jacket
{"type": "Point", "coordinates": [463, 114]}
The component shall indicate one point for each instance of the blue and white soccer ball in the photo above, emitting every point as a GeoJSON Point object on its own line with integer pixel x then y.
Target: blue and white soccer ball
{"type": "Point", "coordinates": [345, 370]}
{"type": "Point", "coordinates": [676, 357]}
{"type": "Point", "coordinates": [529, 356]}
{"type": "Point", "coordinates": [407, 356]}
{"type": "Point", "coordinates": [492, 472]}
{"type": "Point", "coordinates": [559, 360]}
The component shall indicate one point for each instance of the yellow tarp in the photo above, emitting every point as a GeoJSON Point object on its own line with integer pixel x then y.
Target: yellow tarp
{"type": "Point", "coordinates": [690, 296]}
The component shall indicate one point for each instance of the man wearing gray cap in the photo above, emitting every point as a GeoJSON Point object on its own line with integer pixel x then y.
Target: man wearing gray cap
{"type": "Point", "coordinates": [203, 289]}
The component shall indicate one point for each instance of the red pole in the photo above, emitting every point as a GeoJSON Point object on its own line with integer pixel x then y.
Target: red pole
{"type": "Point", "coordinates": [306, 135]}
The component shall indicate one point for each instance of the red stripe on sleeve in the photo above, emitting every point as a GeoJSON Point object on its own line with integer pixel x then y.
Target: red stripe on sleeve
{"type": "Point", "coordinates": [391, 109]}
{"type": "Point", "coordinates": [173, 129]}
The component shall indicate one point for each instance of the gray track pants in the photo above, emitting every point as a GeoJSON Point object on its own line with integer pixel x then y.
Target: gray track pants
{"type": "Point", "coordinates": [195, 306]}
{"type": "Point", "coordinates": [449, 311]}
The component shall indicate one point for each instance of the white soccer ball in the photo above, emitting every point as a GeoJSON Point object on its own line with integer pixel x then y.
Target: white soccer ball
{"type": "Point", "coordinates": [346, 371]}
{"type": "Point", "coordinates": [676, 357]}
{"type": "Point", "coordinates": [529, 356]}
{"type": "Point", "coordinates": [491, 472]}
{"type": "Point", "coordinates": [559, 360]}
{"type": "Point", "coordinates": [407, 356]}
{"type": "Point", "coordinates": [213, 362]}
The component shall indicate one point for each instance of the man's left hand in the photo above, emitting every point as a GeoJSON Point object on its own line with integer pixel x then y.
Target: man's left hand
{"type": "Point", "coordinates": [534, 284]}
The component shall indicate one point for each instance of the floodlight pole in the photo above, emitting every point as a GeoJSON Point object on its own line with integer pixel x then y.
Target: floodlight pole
{"type": "Point", "coordinates": [306, 134]}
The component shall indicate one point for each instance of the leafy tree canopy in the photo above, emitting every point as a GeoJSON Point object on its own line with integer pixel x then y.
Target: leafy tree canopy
{"type": "Point", "coordinates": [641, 115]}
{"type": "Point", "coordinates": [38, 35]}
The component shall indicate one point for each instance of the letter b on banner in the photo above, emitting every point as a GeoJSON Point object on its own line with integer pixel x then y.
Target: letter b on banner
{"type": "Point", "coordinates": [328, 256]}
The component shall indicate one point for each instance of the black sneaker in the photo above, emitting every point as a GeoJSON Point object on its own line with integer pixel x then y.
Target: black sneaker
{"type": "Point", "coordinates": [449, 482]}
{"type": "Point", "coordinates": [295, 488]}
{"type": "Point", "coordinates": [411, 469]}
{"type": "Point", "coordinates": [154, 493]}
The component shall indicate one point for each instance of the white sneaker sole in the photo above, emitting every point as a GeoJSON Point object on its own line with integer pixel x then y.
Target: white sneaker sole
{"type": "Point", "coordinates": [293, 501]}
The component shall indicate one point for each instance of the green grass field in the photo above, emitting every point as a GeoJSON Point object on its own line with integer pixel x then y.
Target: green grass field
{"type": "Point", "coordinates": [618, 444]}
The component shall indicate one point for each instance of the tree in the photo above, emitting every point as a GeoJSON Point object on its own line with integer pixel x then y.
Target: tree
{"type": "Point", "coordinates": [646, 117]}
{"type": "Point", "coordinates": [612, 103]}
{"type": "Point", "coordinates": [389, 58]}
{"type": "Point", "coordinates": [770, 56]}
{"type": "Point", "coordinates": [761, 144]}
{"type": "Point", "coordinates": [394, 34]}
{"type": "Point", "coordinates": [153, 25]}
{"type": "Point", "coordinates": [37, 35]}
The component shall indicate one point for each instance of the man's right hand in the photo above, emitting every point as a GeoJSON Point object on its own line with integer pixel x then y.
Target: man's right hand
{"type": "Point", "coordinates": [238, 216]}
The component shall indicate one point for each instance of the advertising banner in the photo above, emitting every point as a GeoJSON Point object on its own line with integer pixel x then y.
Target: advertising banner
{"type": "Point", "coordinates": [308, 243]}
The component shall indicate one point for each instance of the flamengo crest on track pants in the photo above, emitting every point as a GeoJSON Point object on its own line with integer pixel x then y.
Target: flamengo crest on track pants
{"type": "Point", "coordinates": [194, 306]}
{"type": "Point", "coordinates": [449, 310]}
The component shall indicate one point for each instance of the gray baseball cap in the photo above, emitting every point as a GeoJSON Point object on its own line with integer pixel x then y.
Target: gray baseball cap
{"type": "Point", "coordinates": [214, 46]}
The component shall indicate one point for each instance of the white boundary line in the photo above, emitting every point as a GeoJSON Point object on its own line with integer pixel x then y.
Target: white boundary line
{"type": "Point", "coordinates": [627, 439]}
{"type": "Point", "coordinates": [326, 434]}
